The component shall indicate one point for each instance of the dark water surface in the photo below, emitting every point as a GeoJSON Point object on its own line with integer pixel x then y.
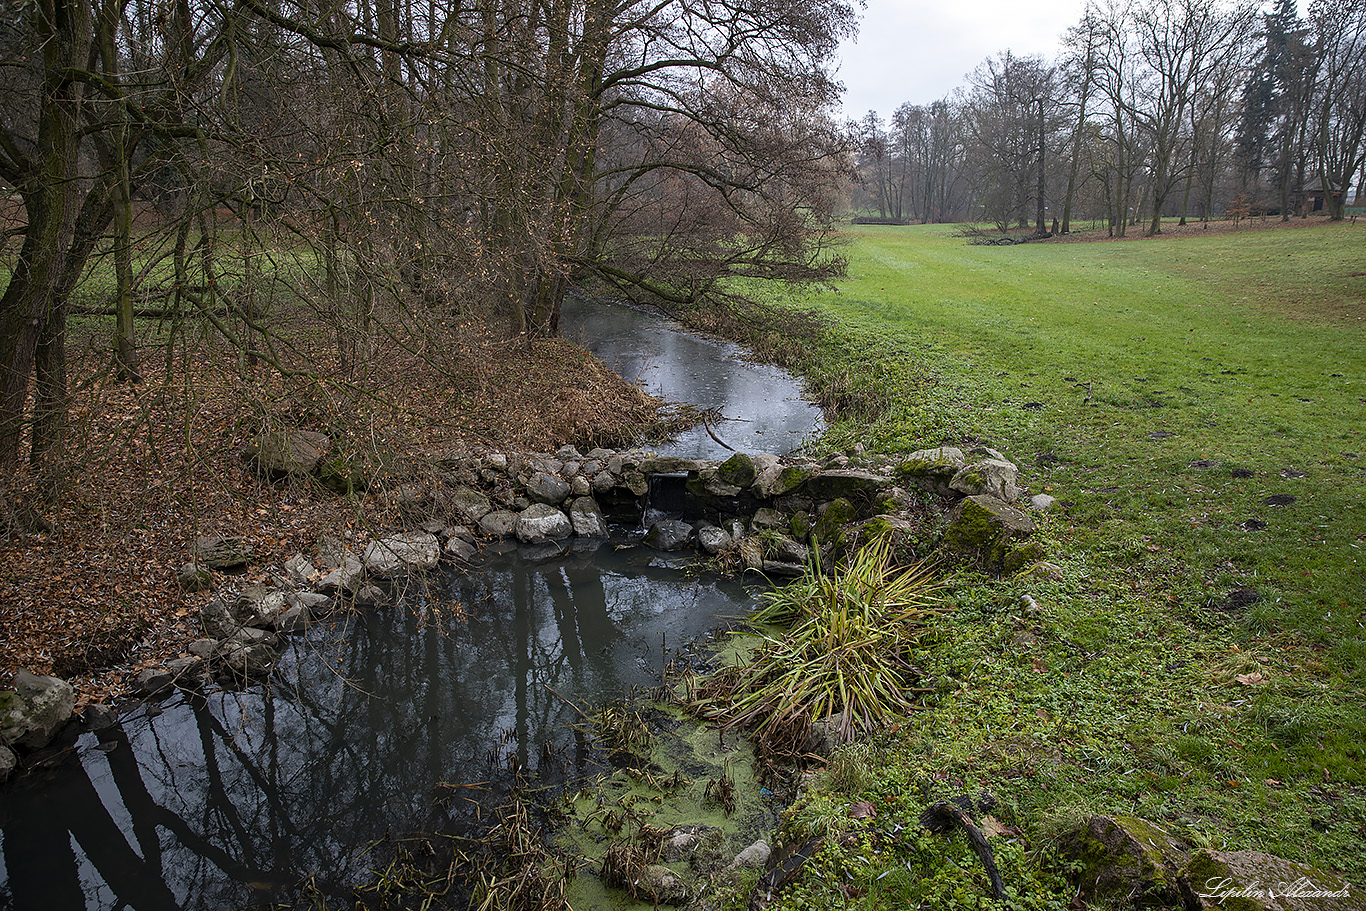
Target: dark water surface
{"type": "Point", "coordinates": [764, 407]}
{"type": "Point", "coordinates": [223, 800]}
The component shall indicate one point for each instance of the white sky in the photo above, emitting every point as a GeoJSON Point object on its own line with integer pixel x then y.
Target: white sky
{"type": "Point", "coordinates": [921, 50]}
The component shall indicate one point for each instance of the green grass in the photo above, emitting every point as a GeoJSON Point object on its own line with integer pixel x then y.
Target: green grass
{"type": "Point", "coordinates": [1151, 369]}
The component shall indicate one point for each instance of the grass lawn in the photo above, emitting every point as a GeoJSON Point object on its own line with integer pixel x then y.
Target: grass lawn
{"type": "Point", "coordinates": [1163, 389]}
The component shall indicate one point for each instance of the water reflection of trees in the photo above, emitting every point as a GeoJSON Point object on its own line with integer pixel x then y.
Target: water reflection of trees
{"type": "Point", "coordinates": [220, 801]}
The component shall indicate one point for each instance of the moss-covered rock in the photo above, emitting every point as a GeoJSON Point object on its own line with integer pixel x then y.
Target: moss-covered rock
{"type": "Point", "coordinates": [800, 524]}
{"type": "Point", "coordinates": [1124, 861]}
{"type": "Point", "coordinates": [986, 526]}
{"type": "Point", "coordinates": [738, 470]}
{"type": "Point", "coordinates": [830, 524]}
{"type": "Point", "coordinates": [990, 476]}
{"type": "Point", "coordinates": [339, 475]}
{"type": "Point", "coordinates": [932, 469]}
{"type": "Point", "coordinates": [1253, 881]}
{"type": "Point", "coordinates": [849, 484]}
{"type": "Point", "coordinates": [784, 480]}
{"type": "Point", "coordinates": [1014, 559]}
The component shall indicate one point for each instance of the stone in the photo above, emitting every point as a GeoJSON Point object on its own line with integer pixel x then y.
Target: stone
{"type": "Point", "coordinates": [286, 451]}
{"type": "Point", "coordinates": [752, 553]}
{"type": "Point", "coordinates": [461, 532]}
{"type": "Point", "coordinates": [519, 503]}
{"type": "Point", "coordinates": [756, 855]}
{"type": "Point", "coordinates": [1045, 570]}
{"type": "Point", "coordinates": [787, 550]}
{"type": "Point", "coordinates": [932, 469]}
{"type": "Point", "coordinates": [332, 553]}
{"type": "Point", "coordinates": [468, 503]}
{"type": "Point", "coordinates": [541, 522]}
{"type": "Point", "coordinates": [1018, 557]}
{"type": "Point", "coordinates": [259, 606]}
{"type": "Point", "coordinates": [670, 465]}
{"type": "Point", "coordinates": [768, 518]}
{"type": "Point", "coordinates": [657, 883]}
{"type": "Point", "coordinates": [99, 717]}
{"type": "Point", "coordinates": [8, 763]}
{"type": "Point", "coordinates": [735, 528]}
{"type": "Point", "coordinates": [203, 648]}
{"type": "Point", "coordinates": [299, 570]}
{"type": "Point", "coordinates": [544, 487]}
{"type": "Point", "coordinates": [1042, 502]}
{"type": "Point", "coordinates": [34, 711]}
{"type": "Point", "coordinates": [994, 477]}
{"type": "Point", "coordinates": [344, 579]}
{"type": "Point", "coordinates": [833, 517]}
{"type": "Point", "coordinates": [406, 552]}
{"type": "Point", "coordinates": [600, 454]}
{"type": "Point", "coordinates": [568, 453]}
{"type": "Point", "coordinates": [1253, 881]}
{"type": "Point", "coordinates": [781, 480]}
{"type": "Point", "coordinates": [242, 661]}
{"type": "Point", "coordinates": [217, 552]}
{"type": "Point", "coordinates": [603, 481]}
{"type": "Point", "coordinates": [496, 460]}
{"type": "Point", "coordinates": [669, 535]}
{"type": "Point", "coordinates": [458, 549]}
{"type": "Point", "coordinates": [294, 620]}
{"type": "Point", "coordinates": [341, 475]}
{"type": "Point", "coordinates": [217, 620]}
{"type": "Point", "coordinates": [368, 596]}
{"type": "Point", "coordinates": [987, 452]}
{"type": "Point", "coordinates": [571, 470]}
{"type": "Point", "coordinates": [193, 578]}
{"type": "Point", "coordinates": [154, 681]}
{"type": "Point", "coordinates": [186, 673]}
{"type": "Point", "coordinates": [986, 525]}
{"type": "Point", "coordinates": [784, 569]}
{"type": "Point", "coordinates": [580, 486]}
{"type": "Point", "coordinates": [636, 482]}
{"type": "Point", "coordinates": [713, 540]}
{"type": "Point", "coordinates": [1124, 861]}
{"type": "Point", "coordinates": [848, 483]}
{"type": "Point", "coordinates": [499, 523]}
{"type": "Point", "coordinates": [681, 842]}
{"type": "Point", "coordinates": [315, 603]}
{"type": "Point", "coordinates": [587, 518]}
{"type": "Point", "coordinates": [250, 635]}
{"type": "Point", "coordinates": [710, 486]}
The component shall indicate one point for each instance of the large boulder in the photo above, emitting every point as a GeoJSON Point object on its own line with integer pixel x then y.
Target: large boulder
{"type": "Point", "coordinates": [500, 523]}
{"type": "Point", "coordinates": [987, 526]}
{"type": "Point", "coordinates": [988, 476]}
{"type": "Point", "coordinates": [586, 516]}
{"type": "Point", "coordinates": [738, 470]}
{"type": "Point", "coordinates": [713, 540]}
{"type": "Point", "coordinates": [259, 606]}
{"type": "Point", "coordinates": [219, 552]}
{"type": "Point", "coordinates": [547, 488]}
{"type": "Point", "coordinates": [409, 551]}
{"type": "Point", "coordinates": [470, 503]}
{"type": "Point", "coordinates": [34, 711]}
{"type": "Point", "coordinates": [541, 522]}
{"type": "Point", "coordinates": [285, 451]}
{"type": "Point", "coordinates": [669, 535]}
{"type": "Point", "coordinates": [217, 620]}
{"type": "Point", "coordinates": [1124, 861]}
{"type": "Point", "coordinates": [848, 483]}
{"type": "Point", "coordinates": [932, 469]}
{"type": "Point", "coordinates": [1253, 881]}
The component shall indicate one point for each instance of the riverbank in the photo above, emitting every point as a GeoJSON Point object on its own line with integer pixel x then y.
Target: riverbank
{"type": "Point", "coordinates": [1199, 660]}
{"type": "Point", "coordinates": [95, 598]}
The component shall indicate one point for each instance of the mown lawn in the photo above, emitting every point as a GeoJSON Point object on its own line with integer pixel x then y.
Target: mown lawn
{"type": "Point", "coordinates": [1128, 379]}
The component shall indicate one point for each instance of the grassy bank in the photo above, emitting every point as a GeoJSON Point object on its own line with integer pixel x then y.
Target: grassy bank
{"type": "Point", "coordinates": [1201, 660]}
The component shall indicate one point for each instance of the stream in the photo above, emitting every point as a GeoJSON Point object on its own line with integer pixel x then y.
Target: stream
{"type": "Point", "coordinates": [227, 799]}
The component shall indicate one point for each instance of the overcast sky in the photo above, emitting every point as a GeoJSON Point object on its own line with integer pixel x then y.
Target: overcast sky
{"type": "Point", "coordinates": [921, 50]}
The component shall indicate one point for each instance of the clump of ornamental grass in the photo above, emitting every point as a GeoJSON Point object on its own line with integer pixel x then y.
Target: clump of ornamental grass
{"type": "Point", "coordinates": [845, 656]}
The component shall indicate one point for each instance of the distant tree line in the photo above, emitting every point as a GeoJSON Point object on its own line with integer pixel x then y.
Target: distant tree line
{"type": "Point", "coordinates": [1153, 109]}
{"type": "Point", "coordinates": [474, 159]}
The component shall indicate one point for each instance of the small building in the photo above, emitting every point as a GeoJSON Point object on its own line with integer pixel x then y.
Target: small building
{"type": "Point", "coordinates": [1315, 199]}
